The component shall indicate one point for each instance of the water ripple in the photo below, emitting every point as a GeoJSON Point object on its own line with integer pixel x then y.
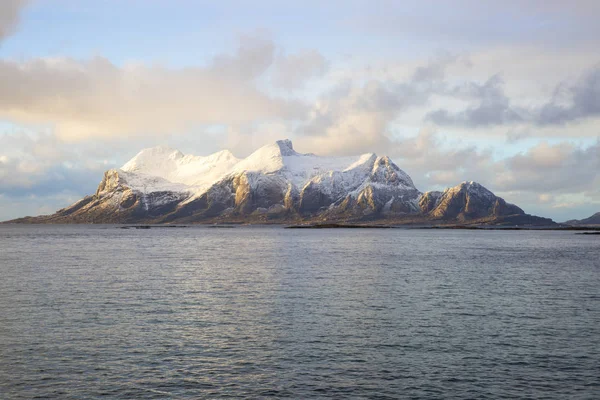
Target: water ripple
{"type": "Point", "coordinates": [263, 312]}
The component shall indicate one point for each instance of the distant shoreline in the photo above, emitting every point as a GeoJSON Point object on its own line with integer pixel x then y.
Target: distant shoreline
{"type": "Point", "coordinates": [459, 227]}
{"type": "Point", "coordinates": [594, 229]}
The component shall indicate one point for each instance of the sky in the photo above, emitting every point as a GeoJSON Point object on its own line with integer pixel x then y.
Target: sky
{"type": "Point", "coordinates": [503, 93]}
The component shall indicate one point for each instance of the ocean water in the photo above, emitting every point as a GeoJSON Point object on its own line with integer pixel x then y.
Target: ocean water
{"type": "Point", "coordinates": [259, 312]}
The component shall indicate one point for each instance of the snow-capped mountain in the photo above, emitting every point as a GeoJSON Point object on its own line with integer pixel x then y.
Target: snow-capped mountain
{"type": "Point", "coordinates": [275, 183]}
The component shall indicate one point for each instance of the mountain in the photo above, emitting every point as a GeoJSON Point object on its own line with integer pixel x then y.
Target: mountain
{"type": "Point", "coordinates": [277, 184]}
{"type": "Point", "coordinates": [469, 200]}
{"type": "Point", "coordinates": [590, 221]}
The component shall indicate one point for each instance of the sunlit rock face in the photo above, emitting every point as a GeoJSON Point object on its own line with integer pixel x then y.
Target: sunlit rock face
{"type": "Point", "coordinates": [429, 200]}
{"type": "Point", "coordinates": [469, 200]}
{"type": "Point", "coordinates": [276, 184]}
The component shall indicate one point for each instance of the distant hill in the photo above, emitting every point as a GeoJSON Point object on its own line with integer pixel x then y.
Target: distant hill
{"type": "Point", "coordinates": [590, 221]}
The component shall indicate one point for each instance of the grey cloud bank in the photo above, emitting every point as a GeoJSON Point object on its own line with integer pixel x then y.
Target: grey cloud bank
{"type": "Point", "coordinates": [570, 102]}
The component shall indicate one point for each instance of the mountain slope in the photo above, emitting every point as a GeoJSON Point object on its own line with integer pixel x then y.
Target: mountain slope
{"type": "Point", "coordinates": [275, 183]}
{"type": "Point", "coordinates": [469, 200]}
{"type": "Point", "coordinates": [590, 221]}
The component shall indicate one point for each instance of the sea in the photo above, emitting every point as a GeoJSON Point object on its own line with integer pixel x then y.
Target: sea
{"type": "Point", "coordinates": [250, 312]}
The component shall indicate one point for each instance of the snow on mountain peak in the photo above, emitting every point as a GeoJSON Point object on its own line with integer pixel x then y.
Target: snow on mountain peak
{"type": "Point", "coordinates": [471, 188]}
{"type": "Point", "coordinates": [364, 159]}
{"type": "Point", "coordinates": [153, 161]}
{"type": "Point", "coordinates": [221, 155]}
{"type": "Point", "coordinates": [269, 158]}
{"type": "Point", "coordinates": [152, 154]}
{"type": "Point", "coordinates": [286, 147]}
{"type": "Point", "coordinates": [172, 165]}
{"type": "Point", "coordinates": [277, 158]}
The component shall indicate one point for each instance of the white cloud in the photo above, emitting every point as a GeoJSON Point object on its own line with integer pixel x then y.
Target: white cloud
{"type": "Point", "coordinates": [96, 98]}
{"type": "Point", "coordinates": [292, 71]}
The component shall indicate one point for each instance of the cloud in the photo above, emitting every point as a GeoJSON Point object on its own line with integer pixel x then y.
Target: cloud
{"type": "Point", "coordinates": [553, 23]}
{"type": "Point", "coordinates": [572, 102]}
{"type": "Point", "coordinates": [9, 16]}
{"type": "Point", "coordinates": [558, 168]}
{"type": "Point", "coordinates": [43, 165]}
{"type": "Point", "coordinates": [435, 69]}
{"type": "Point", "coordinates": [354, 117]}
{"type": "Point", "coordinates": [441, 162]}
{"type": "Point", "coordinates": [254, 56]}
{"type": "Point", "coordinates": [493, 106]}
{"type": "Point", "coordinates": [545, 198]}
{"type": "Point", "coordinates": [292, 71]}
{"type": "Point", "coordinates": [96, 98]}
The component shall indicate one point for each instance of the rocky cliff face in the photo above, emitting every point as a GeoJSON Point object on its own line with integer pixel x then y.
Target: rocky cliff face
{"type": "Point", "coordinates": [275, 183]}
{"type": "Point", "coordinates": [466, 201]}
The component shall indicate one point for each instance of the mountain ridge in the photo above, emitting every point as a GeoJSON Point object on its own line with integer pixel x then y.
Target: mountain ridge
{"type": "Point", "coordinates": [276, 184]}
{"type": "Point", "coordinates": [592, 220]}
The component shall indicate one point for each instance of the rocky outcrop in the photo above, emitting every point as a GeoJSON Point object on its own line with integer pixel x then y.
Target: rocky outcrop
{"type": "Point", "coordinates": [429, 201]}
{"type": "Point", "coordinates": [467, 201]}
